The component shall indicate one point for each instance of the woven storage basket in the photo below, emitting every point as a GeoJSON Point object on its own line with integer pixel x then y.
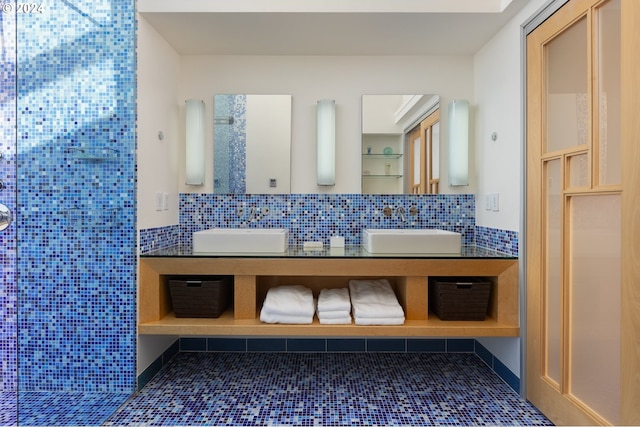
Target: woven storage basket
{"type": "Point", "coordinates": [200, 297]}
{"type": "Point", "coordinates": [461, 298]}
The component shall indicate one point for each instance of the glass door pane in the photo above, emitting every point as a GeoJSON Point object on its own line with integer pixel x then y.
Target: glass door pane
{"type": "Point", "coordinates": [567, 108]}
{"type": "Point", "coordinates": [8, 236]}
{"type": "Point", "coordinates": [595, 303]}
{"type": "Point", "coordinates": [609, 102]}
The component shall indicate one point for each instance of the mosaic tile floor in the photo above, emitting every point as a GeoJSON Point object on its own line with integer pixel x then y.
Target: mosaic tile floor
{"type": "Point", "coordinates": [8, 411]}
{"type": "Point", "coordinates": [330, 389]}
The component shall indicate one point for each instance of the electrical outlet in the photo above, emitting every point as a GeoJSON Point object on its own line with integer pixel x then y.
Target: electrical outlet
{"type": "Point", "coordinates": [495, 202]}
{"type": "Point", "coordinates": [158, 201]}
{"type": "Point", "coordinates": [165, 201]}
{"type": "Point", "coordinates": [487, 202]}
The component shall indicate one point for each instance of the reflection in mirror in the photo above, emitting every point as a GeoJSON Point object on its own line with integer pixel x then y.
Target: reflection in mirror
{"type": "Point", "coordinates": [400, 144]}
{"type": "Point", "coordinates": [252, 144]}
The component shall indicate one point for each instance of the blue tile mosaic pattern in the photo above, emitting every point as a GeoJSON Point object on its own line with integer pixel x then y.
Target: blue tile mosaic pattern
{"type": "Point", "coordinates": [159, 237]}
{"type": "Point", "coordinates": [230, 141]}
{"type": "Point", "coordinates": [317, 217]}
{"type": "Point", "coordinates": [67, 409]}
{"type": "Point", "coordinates": [505, 241]}
{"type": "Point", "coordinates": [330, 389]}
{"type": "Point", "coordinates": [76, 199]}
{"type": "Point", "coordinates": [8, 237]}
{"type": "Point", "coordinates": [8, 408]}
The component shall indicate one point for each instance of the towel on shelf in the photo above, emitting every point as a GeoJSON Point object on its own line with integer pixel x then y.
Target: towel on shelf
{"type": "Point", "coordinates": [268, 317]}
{"type": "Point", "coordinates": [334, 314]}
{"type": "Point", "coordinates": [288, 304]}
{"type": "Point", "coordinates": [345, 320]}
{"type": "Point", "coordinates": [334, 307]}
{"type": "Point", "coordinates": [334, 300]}
{"type": "Point", "coordinates": [379, 320]}
{"type": "Point", "coordinates": [374, 303]}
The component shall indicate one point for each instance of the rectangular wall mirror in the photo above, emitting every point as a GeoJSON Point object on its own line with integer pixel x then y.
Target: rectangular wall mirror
{"type": "Point", "coordinates": [400, 144]}
{"type": "Point", "coordinates": [252, 144]}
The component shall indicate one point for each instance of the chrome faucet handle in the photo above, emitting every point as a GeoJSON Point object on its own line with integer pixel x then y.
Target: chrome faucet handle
{"type": "Point", "coordinates": [5, 217]}
{"type": "Point", "coordinates": [413, 211]}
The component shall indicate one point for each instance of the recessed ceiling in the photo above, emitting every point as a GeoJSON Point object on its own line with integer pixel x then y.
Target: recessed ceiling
{"type": "Point", "coordinates": [327, 33]}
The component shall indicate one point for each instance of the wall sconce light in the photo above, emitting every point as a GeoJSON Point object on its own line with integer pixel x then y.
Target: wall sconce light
{"type": "Point", "coordinates": [326, 142]}
{"type": "Point", "coordinates": [195, 147]}
{"type": "Point", "coordinates": [459, 142]}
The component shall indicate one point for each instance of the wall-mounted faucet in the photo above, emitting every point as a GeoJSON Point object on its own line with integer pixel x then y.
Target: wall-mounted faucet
{"type": "Point", "coordinates": [400, 213]}
{"type": "Point", "coordinates": [253, 213]}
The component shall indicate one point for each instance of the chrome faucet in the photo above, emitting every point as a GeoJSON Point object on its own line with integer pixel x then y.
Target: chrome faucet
{"type": "Point", "coordinates": [400, 213]}
{"type": "Point", "coordinates": [253, 211]}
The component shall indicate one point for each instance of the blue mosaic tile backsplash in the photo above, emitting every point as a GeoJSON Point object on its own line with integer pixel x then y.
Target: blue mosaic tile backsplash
{"type": "Point", "coordinates": [317, 217]}
{"type": "Point", "coordinates": [76, 197]}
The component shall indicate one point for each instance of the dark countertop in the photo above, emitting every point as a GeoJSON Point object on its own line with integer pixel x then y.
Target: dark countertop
{"type": "Point", "coordinates": [355, 252]}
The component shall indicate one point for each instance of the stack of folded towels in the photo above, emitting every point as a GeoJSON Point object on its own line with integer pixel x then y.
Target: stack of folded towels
{"type": "Point", "coordinates": [291, 304]}
{"type": "Point", "coordinates": [334, 307]}
{"type": "Point", "coordinates": [374, 303]}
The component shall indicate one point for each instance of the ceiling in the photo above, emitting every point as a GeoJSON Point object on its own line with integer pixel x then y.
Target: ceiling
{"type": "Point", "coordinates": [246, 32]}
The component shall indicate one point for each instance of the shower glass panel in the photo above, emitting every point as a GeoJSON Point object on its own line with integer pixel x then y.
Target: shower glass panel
{"type": "Point", "coordinates": [8, 238]}
{"type": "Point", "coordinates": [75, 210]}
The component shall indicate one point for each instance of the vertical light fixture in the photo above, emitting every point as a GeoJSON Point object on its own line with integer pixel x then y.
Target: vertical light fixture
{"type": "Point", "coordinates": [195, 163]}
{"type": "Point", "coordinates": [459, 142]}
{"type": "Point", "coordinates": [326, 142]}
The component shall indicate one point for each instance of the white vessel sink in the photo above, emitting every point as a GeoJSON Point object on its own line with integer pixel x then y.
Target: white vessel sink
{"type": "Point", "coordinates": [404, 241]}
{"type": "Point", "coordinates": [241, 240]}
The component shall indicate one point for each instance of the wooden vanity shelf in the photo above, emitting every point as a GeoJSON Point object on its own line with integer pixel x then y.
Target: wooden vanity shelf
{"type": "Point", "coordinates": [254, 276]}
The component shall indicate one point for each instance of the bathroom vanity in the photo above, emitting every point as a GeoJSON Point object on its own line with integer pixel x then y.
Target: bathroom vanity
{"type": "Point", "coordinates": [254, 274]}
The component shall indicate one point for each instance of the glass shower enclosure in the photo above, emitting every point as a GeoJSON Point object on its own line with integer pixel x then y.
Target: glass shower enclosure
{"type": "Point", "coordinates": [67, 174]}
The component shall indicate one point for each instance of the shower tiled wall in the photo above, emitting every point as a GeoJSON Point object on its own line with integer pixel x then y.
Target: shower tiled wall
{"type": "Point", "coordinates": [76, 197]}
{"type": "Point", "coordinates": [8, 237]}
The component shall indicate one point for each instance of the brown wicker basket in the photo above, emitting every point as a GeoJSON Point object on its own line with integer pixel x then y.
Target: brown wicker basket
{"type": "Point", "coordinates": [200, 297]}
{"type": "Point", "coordinates": [459, 298]}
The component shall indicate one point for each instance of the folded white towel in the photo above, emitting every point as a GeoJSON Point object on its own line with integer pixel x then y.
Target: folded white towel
{"type": "Point", "coordinates": [289, 300]}
{"type": "Point", "coordinates": [346, 320]}
{"type": "Point", "coordinates": [379, 320]}
{"type": "Point", "coordinates": [374, 299]}
{"type": "Point", "coordinates": [334, 300]}
{"type": "Point", "coordinates": [268, 317]}
{"type": "Point", "coordinates": [376, 310]}
{"type": "Point", "coordinates": [334, 314]}
{"type": "Point", "coordinates": [376, 290]}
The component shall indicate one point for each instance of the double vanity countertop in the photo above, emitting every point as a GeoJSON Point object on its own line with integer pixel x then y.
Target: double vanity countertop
{"type": "Point", "coordinates": [354, 252]}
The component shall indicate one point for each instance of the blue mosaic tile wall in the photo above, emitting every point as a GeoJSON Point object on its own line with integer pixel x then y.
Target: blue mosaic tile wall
{"type": "Point", "coordinates": [159, 237]}
{"type": "Point", "coordinates": [76, 197]}
{"type": "Point", "coordinates": [501, 240]}
{"type": "Point", "coordinates": [317, 217]}
{"type": "Point", "coordinates": [8, 237]}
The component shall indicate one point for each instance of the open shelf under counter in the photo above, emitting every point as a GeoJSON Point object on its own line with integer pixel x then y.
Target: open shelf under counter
{"type": "Point", "coordinates": [254, 275]}
{"type": "Point", "coordinates": [227, 325]}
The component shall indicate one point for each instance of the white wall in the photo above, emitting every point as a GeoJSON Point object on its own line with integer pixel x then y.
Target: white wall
{"type": "Point", "coordinates": [309, 78]}
{"type": "Point", "coordinates": [158, 67]}
{"type": "Point", "coordinates": [158, 73]}
{"type": "Point", "coordinates": [498, 99]}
